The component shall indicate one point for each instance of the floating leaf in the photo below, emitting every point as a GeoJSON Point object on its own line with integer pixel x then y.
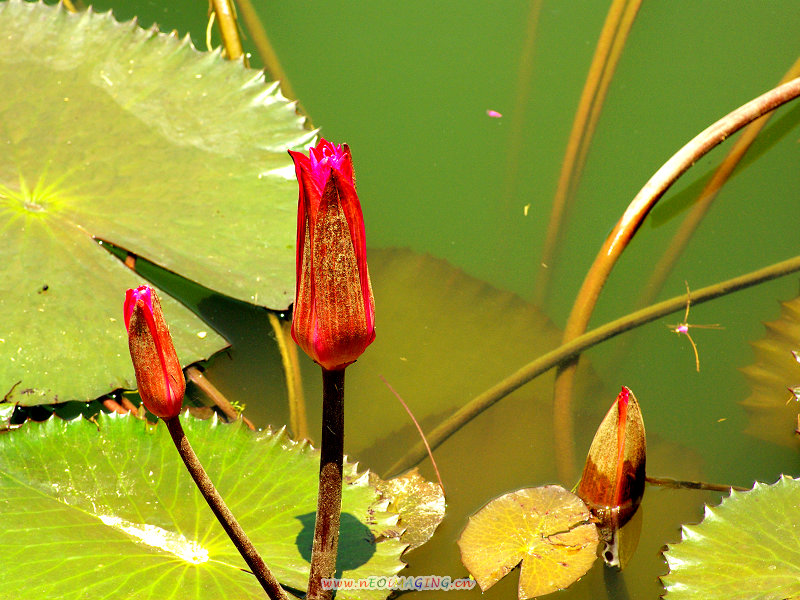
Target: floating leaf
{"type": "Point", "coordinates": [747, 547]}
{"type": "Point", "coordinates": [107, 510]}
{"type": "Point", "coordinates": [772, 417]}
{"type": "Point", "coordinates": [419, 502]}
{"type": "Point", "coordinates": [110, 132]}
{"type": "Point", "coordinates": [547, 529]}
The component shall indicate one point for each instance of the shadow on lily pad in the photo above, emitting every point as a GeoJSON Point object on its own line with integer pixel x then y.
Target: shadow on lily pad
{"type": "Point", "coordinates": [356, 542]}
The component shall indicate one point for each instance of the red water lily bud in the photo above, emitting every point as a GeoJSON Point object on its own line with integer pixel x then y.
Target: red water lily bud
{"type": "Point", "coordinates": [158, 371]}
{"type": "Point", "coordinates": [334, 311]}
{"type": "Point", "coordinates": [614, 475]}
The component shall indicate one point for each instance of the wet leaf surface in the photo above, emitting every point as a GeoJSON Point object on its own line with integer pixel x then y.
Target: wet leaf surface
{"type": "Point", "coordinates": [547, 529]}
{"type": "Point", "coordinates": [747, 547]}
{"type": "Point", "coordinates": [108, 510]}
{"type": "Point", "coordinates": [110, 132]}
{"type": "Point", "coordinates": [419, 502]}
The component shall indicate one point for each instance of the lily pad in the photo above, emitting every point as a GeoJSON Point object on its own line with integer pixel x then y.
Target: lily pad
{"type": "Point", "coordinates": [772, 417]}
{"type": "Point", "coordinates": [547, 529]}
{"type": "Point", "coordinates": [107, 509]}
{"type": "Point", "coordinates": [748, 547]}
{"type": "Point", "coordinates": [420, 502]}
{"type": "Point", "coordinates": [110, 132]}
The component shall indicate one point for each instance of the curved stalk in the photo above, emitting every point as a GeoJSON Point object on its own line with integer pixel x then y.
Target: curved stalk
{"type": "Point", "coordinates": [569, 350]}
{"type": "Point", "coordinates": [624, 231]}
{"type": "Point", "coordinates": [223, 513]}
{"type": "Point", "coordinates": [615, 32]}
{"type": "Point", "coordinates": [703, 203]}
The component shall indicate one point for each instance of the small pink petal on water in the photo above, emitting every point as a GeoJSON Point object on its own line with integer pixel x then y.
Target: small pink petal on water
{"type": "Point", "coordinates": [494, 114]}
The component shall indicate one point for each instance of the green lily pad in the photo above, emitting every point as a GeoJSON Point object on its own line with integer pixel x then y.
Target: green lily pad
{"type": "Point", "coordinates": [110, 132]}
{"type": "Point", "coordinates": [107, 510]}
{"type": "Point", "coordinates": [547, 529]}
{"type": "Point", "coordinates": [746, 548]}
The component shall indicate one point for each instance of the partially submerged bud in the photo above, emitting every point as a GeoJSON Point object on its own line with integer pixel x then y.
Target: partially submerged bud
{"type": "Point", "coordinates": [158, 371]}
{"type": "Point", "coordinates": [334, 311]}
{"type": "Point", "coordinates": [613, 478]}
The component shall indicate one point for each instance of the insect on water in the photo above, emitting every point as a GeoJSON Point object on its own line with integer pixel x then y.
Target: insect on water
{"type": "Point", "coordinates": [683, 328]}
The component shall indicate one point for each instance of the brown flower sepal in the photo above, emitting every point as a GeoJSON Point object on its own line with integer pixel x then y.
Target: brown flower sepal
{"type": "Point", "coordinates": [613, 478]}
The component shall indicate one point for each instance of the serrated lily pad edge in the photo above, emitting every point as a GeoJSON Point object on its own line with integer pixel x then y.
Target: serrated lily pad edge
{"type": "Point", "coordinates": [708, 511]}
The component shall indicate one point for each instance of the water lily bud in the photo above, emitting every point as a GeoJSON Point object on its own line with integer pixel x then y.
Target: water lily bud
{"type": "Point", "coordinates": [334, 311]}
{"type": "Point", "coordinates": [614, 475]}
{"type": "Point", "coordinates": [158, 371]}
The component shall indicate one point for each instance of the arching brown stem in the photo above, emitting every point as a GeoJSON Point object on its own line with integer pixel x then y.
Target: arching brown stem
{"type": "Point", "coordinates": [707, 196]}
{"type": "Point", "coordinates": [624, 231]}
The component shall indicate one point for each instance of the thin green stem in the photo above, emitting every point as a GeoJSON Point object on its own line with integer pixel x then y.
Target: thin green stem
{"type": "Point", "coordinates": [223, 513]}
{"type": "Point", "coordinates": [329, 499]}
{"type": "Point", "coordinates": [569, 350]}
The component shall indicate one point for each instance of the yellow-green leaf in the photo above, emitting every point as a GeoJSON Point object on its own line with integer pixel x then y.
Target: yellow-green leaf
{"type": "Point", "coordinates": [547, 529]}
{"type": "Point", "coordinates": [419, 502]}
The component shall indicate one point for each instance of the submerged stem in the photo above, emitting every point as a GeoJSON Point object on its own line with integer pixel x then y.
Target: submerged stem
{"type": "Point", "coordinates": [616, 28]}
{"type": "Point", "coordinates": [569, 350]}
{"type": "Point", "coordinates": [291, 370]}
{"type": "Point", "coordinates": [258, 35]}
{"type": "Point", "coordinates": [196, 376]}
{"type": "Point", "coordinates": [694, 485]}
{"type": "Point", "coordinates": [223, 513]}
{"type": "Point", "coordinates": [702, 204]}
{"type": "Point", "coordinates": [329, 499]}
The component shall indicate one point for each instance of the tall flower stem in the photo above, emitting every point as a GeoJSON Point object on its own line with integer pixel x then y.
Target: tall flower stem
{"type": "Point", "coordinates": [223, 513]}
{"type": "Point", "coordinates": [329, 500]}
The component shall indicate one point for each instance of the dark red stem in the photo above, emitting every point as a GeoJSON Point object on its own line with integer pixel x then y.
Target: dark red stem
{"type": "Point", "coordinates": [329, 499]}
{"type": "Point", "coordinates": [223, 513]}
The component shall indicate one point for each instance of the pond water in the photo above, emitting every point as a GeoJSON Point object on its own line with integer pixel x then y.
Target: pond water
{"type": "Point", "coordinates": [408, 86]}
